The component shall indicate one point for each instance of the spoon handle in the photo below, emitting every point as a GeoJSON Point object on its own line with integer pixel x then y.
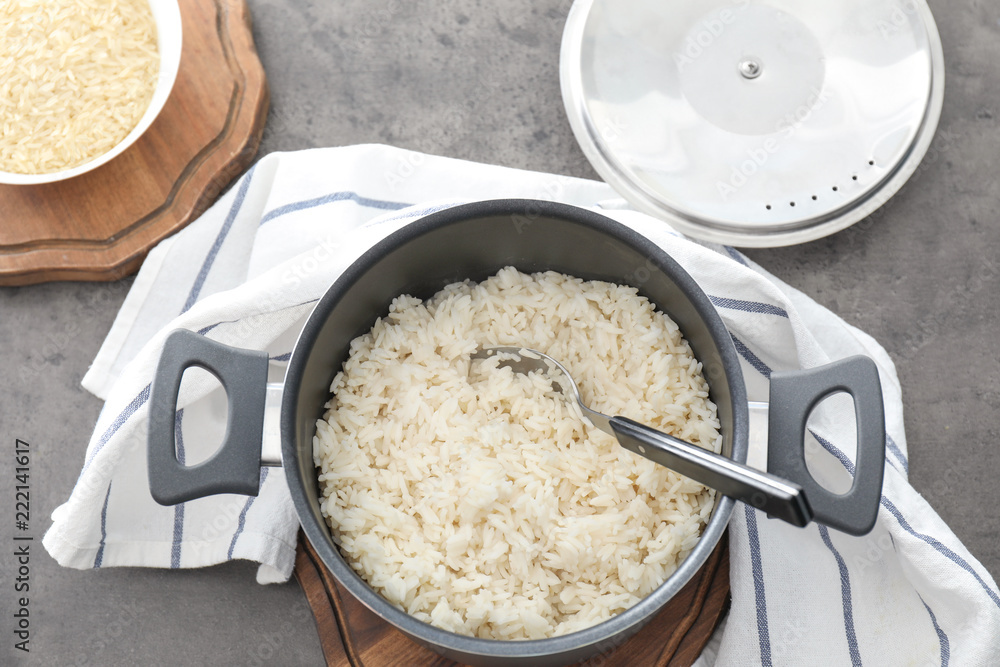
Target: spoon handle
{"type": "Point", "coordinates": [774, 495]}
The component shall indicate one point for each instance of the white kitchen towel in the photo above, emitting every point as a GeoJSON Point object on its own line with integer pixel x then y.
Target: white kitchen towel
{"type": "Point", "coordinates": [248, 272]}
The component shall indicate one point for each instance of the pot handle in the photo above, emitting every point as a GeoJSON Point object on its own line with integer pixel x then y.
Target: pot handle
{"type": "Point", "coordinates": [793, 396]}
{"type": "Point", "coordinates": [235, 468]}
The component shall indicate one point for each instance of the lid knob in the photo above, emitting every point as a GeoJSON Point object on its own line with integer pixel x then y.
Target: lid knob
{"type": "Point", "coordinates": [750, 68]}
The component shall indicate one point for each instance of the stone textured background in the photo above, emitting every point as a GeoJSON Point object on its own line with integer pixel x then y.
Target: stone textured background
{"type": "Point", "coordinates": [479, 80]}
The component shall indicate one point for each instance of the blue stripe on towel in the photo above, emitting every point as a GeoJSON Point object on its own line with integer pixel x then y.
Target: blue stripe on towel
{"type": "Point", "coordinates": [836, 451]}
{"type": "Point", "coordinates": [213, 252]}
{"type": "Point", "coordinates": [845, 596]}
{"type": "Point", "coordinates": [751, 358]}
{"type": "Point", "coordinates": [753, 537]}
{"type": "Point", "coordinates": [243, 515]}
{"type": "Point", "coordinates": [99, 559]}
{"type": "Point", "coordinates": [735, 254]}
{"type": "Point", "coordinates": [893, 464]}
{"type": "Point", "coordinates": [330, 198]}
{"type": "Point", "coordinates": [842, 457]}
{"type": "Point", "coordinates": [205, 330]}
{"type": "Point", "coordinates": [119, 421]}
{"type": "Point", "coordinates": [763, 634]}
{"type": "Point", "coordinates": [414, 214]}
{"type": "Point", "coordinates": [942, 637]}
{"type": "Point", "coordinates": [940, 548]}
{"type": "Point", "coordinates": [891, 445]}
{"type": "Point", "coordinates": [748, 306]}
{"type": "Point", "coordinates": [175, 547]}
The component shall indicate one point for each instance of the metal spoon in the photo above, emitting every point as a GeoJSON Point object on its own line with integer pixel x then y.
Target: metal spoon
{"type": "Point", "coordinates": [776, 496]}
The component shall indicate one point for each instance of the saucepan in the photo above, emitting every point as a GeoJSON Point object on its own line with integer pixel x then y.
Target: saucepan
{"type": "Point", "coordinates": [473, 242]}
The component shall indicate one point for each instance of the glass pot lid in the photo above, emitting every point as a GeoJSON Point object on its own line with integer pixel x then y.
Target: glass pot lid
{"type": "Point", "coordinates": [753, 123]}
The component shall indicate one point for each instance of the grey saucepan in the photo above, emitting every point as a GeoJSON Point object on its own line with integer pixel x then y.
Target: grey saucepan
{"type": "Point", "coordinates": [474, 241]}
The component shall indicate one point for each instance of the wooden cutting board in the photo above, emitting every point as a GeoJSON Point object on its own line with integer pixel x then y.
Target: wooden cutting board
{"type": "Point", "coordinates": [352, 636]}
{"type": "Point", "coordinates": [100, 225]}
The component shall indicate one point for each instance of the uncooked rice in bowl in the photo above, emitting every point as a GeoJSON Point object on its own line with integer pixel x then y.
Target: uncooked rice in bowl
{"type": "Point", "coordinates": [478, 499]}
{"type": "Point", "coordinates": [75, 77]}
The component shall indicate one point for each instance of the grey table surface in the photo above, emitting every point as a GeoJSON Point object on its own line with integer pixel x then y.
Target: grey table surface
{"type": "Point", "coordinates": [479, 80]}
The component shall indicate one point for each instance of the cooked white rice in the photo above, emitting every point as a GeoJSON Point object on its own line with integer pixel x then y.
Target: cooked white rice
{"type": "Point", "coordinates": [75, 78]}
{"type": "Point", "coordinates": [478, 499]}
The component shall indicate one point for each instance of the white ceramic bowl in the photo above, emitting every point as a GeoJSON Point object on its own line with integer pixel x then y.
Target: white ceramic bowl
{"type": "Point", "coordinates": [167, 15]}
